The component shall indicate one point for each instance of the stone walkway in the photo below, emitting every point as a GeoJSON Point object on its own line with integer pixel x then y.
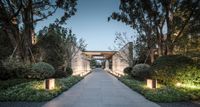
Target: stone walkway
{"type": "Point", "coordinates": [98, 89]}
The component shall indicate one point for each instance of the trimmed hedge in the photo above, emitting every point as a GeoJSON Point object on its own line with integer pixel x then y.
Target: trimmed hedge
{"type": "Point", "coordinates": [141, 71]}
{"type": "Point", "coordinates": [41, 70]}
{"type": "Point", "coordinates": [34, 90]}
{"type": "Point", "coordinates": [174, 68]}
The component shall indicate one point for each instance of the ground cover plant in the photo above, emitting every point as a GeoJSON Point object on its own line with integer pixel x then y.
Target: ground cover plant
{"type": "Point", "coordinates": [35, 91]}
{"type": "Point", "coordinates": [184, 92]}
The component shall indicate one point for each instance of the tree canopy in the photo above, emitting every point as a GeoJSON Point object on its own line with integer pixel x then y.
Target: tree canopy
{"type": "Point", "coordinates": [167, 20]}
{"type": "Point", "coordinates": [18, 18]}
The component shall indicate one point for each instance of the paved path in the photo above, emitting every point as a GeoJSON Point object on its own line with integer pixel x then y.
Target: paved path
{"type": "Point", "coordinates": [98, 89]}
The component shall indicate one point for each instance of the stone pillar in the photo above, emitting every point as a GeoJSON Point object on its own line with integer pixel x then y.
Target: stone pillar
{"type": "Point", "coordinates": [88, 65]}
{"type": "Point", "coordinates": [107, 65]}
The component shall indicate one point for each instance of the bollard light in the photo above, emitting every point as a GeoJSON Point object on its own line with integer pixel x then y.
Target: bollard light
{"type": "Point", "coordinates": [151, 83]}
{"type": "Point", "coordinates": [50, 84]}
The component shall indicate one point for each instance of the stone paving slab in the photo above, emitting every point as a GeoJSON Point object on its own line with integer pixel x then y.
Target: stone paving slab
{"type": "Point", "coordinates": [98, 89]}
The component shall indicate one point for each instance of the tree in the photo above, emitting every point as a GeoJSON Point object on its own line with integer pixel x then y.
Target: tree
{"type": "Point", "coordinates": [167, 20]}
{"type": "Point", "coordinates": [58, 45]}
{"type": "Point", "coordinates": [50, 45]}
{"type": "Point", "coordinates": [134, 13]}
{"type": "Point", "coordinates": [93, 63]}
{"type": "Point", "coordinates": [5, 46]}
{"type": "Point", "coordinates": [18, 17]}
{"type": "Point", "coordinates": [72, 47]}
{"type": "Point", "coordinates": [124, 45]}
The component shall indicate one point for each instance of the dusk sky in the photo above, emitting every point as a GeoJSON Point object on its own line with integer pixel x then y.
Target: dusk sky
{"type": "Point", "coordinates": [90, 23]}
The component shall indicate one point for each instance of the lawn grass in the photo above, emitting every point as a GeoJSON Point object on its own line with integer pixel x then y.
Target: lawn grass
{"type": "Point", "coordinates": [34, 90]}
{"type": "Point", "coordinates": [163, 93]}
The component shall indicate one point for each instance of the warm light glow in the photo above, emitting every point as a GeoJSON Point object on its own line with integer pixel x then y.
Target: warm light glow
{"type": "Point", "coordinates": [178, 84]}
{"type": "Point", "coordinates": [187, 86]}
{"type": "Point", "coordinates": [151, 83]}
{"type": "Point", "coordinates": [50, 84]}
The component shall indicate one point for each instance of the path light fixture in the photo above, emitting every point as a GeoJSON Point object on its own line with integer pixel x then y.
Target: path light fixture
{"type": "Point", "coordinates": [50, 84]}
{"type": "Point", "coordinates": [151, 83]}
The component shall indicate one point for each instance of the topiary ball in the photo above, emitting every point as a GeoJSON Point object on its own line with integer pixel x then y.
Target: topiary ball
{"type": "Point", "coordinates": [42, 70]}
{"type": "Point", "coordinates": [141, 71]}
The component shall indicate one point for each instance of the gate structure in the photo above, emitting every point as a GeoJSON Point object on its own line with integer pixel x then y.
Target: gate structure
{"type": "Point", "coordinates": [115, 61]}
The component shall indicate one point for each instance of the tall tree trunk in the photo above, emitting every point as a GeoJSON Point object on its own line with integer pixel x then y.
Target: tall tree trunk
{"type": "Point", "coordinates": [159, 42]}
{"type": "Point", "coordinates": [169, 22]}
{"type": "Point", "coordinates": [27, 34]}
{"type": "Point", "coordinates": [151, 56]}
{"type": "Point", "coordinates": [130, 57]}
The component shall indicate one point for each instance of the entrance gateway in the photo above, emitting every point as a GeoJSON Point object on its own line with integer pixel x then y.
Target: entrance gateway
{"type": "Point", "coordinates": [115, 61]}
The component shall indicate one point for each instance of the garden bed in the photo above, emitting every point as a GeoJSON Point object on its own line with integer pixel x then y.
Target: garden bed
{"type": "Point", "coordinates": [35, 91]}
{"type": "Point", "coordinates": [12, 82]}
{"type": "Point", "coordinates": [163, 93]}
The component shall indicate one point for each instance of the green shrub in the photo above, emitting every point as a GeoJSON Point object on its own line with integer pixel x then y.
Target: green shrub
{"type": "Point", "coordinates": [128, 70]}
{"type": "Point", "coordinates": [141, 71]}
{"type": "Point", "coordinates": [11, 68]}
{"type": "Point", "coordinates": [69, 71]}
{"type": "Point", "coordinates": [188, 75]}
{"type": "Point", "coordinates": [12, 82]}
{"type": "Point", "coordinates": [34, 90]}
{"type": "Point", "coordinates": [163, 93]}
{"type": "Point", "coordinates": [60, 74]}
{"type": "Point", "coordinates": [41, 70]}
{"type": "Point", "coordinates": [167, 69]}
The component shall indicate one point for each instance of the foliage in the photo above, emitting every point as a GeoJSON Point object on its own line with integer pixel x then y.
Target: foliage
{"type": "Point", "coordinates": [34, 90]}
{"type": "Point", "coordinates": [161, 19]}
{"type": "Point", "coordinates": [128, 70]}
{"type": "Point", "coordinates": [93, 63]}
{"type": "Point", "coordinates": [124, 45]}
{"type": "Point", "coordinates": [69, 71]}
{"type": "Point", "coordinates": [12, 68]}
{"type": "Point", "coordinates": [12, 82]}
{"type": "Point", "coordinates": [75, 45]}
{"type": "Point", "coordinates": [5, 46]}
{"type": "Point", "coordinates": [168, 69]}
{"type": "Point", "coordinates": [21, 16]}
{"type": "Point", "coordinates": [141, 49]}
{"type": "Point", "coordinates": [163, 93]}
{"type": "Point", "coordinates": [187, 75]}
{"type": "Point", "coordinates": [42, 70]}
{"type": "Point", "coordinates": [141, 71]}
{"type": "Point", "coordinates": [50, 45]}
{"type": "Point", "coordinates": [60, 74]}
{"type": "Point", "coordinates": [57, 45]}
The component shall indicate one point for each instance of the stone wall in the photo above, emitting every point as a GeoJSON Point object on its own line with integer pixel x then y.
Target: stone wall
{"type": "Point", "coordinates": [80, 64]}
{"type": "Point", "coordinates": [122, 58]}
